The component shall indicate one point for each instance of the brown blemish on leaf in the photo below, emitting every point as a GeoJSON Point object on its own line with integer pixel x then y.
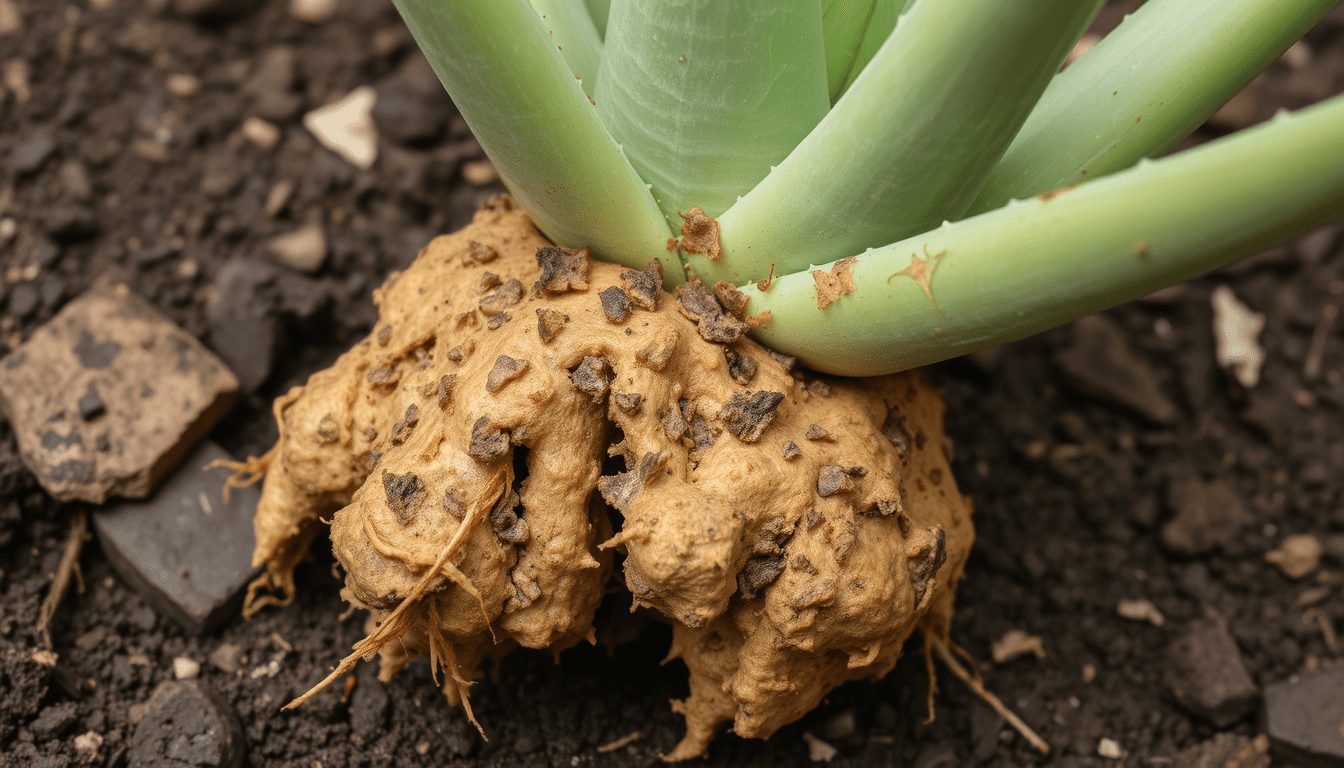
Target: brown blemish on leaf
{"type": "Point", "coordinates": [816, 432]}
{"type": "Point", "coordinates": [1052, 194]}
{"type": "Point", "coordinates": [747, 414]}
{"type": "Point", "coordinates": [790, 450]}
{"type": "Point", "coordinates": [404, 494]}
{"type": "Point", "coordinates": [488, 442]}
{"type": "Point", "coordinates": [742, 367]}
{"type": "Point", "coordinates": [615, 304]}
{"type": "Point", "coordinates": [656, 353]}
{"type": "Point", "coordinates": [921, 271]}
{"type": "Point", "coordinates": [562, 270]}
{"type": "Point", "coordinates": [1141, 248]}
{"type": "Point", "coordinates": [700, 234]}
{"type": "Point", "coordinates": [672, 244]}
{"type": "Point", "coordinates": [502, 298]}
{"type": "Point", "coordinates": [619, 490]}
{"type": "Point", "coordinates": [699, 305]}
{"type": "Point", "coordinates": [756, 321]}
{"type": "Point", "coordinates": [834, 284]}
{"type": "Point", "coordinates": [506, 369]}
{"type": "Point", "coordinates": [592, 377]}
{"type": "Point", "coordinates": [644, 288]}
{"type": "Point", "coordinates": [403, 428]}
{"type": "Point", "coordinates": [445, 389]}
{"type": "Point", "coordinates": [628, 401]}
{"type": "Point", "coordinates": [549, 324]}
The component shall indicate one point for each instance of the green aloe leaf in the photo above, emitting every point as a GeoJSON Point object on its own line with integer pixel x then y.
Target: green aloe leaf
{"type": "Point", "coordinates": [1041, 262]}
{"type": "Point", "coordinates": [573, 33]}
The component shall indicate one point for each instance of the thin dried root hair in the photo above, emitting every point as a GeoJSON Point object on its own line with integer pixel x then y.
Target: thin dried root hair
{"type": "Point", "coordinates": [69, 566]}
{"type": "Point", "coordinates": [403, 617]}
{"type": "Point", "coordinates": [247, 472]}
{"type": "Point", "coordinates": [972, 680]}
{"type": "Point", "coordinates": [441, 656]}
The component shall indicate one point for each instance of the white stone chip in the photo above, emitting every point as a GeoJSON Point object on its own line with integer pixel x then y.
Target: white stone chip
{"type": "Point", "coordinates": [312, 11]}
{"type": "Point", "coordinates": [819, 751]}
{"type": "Point", "coordinates": [186, 669]}
{"type": "Point", "coordinates": [1110, 749]}
{"type": "Point", "coordinates": [1016, 643]}
{"type": "Point", "coordinates": [303, 249]}
{"type": "Point", "coordinates": [1297, 556]}
{"type": "Point", "coordinates": [1236, 329]}
{"type": "Point", "coordinates": [346, 127]}
{"type": "Point", "coordinates": [1140, 610]}
{"type": "Point", "coordinates": [88, 744]}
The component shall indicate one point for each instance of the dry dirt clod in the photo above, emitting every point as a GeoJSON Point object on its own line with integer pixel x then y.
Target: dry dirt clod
{"type": "Point", "coordinates": [790, 450]}
{"type": "Point", "coordinates": [730, 538]}
{"type": "Point", "coordinates": [615, 304]}
{"type": "Point", "coordinates": [700, 234]}
{"type": "Point", "coordinates": [644, 288]}
{"type": "Point", "coordinates": [817, 433]}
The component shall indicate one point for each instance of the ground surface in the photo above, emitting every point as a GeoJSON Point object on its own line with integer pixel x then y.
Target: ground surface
{"type": "Point", "coordinates": [160, 189]}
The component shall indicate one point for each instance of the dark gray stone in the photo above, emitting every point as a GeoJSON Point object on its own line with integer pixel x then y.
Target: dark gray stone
{"type": "Point", "coordinates": [28, 155]}
{"type": "Point", "coordinates": [68, 222]}
{"type": "Point", "coordinates": [242, 328]}
{"type": "Point", "coordinates": [1208, 516]}
{"type": "Point", "coordinates": [1100, 364]}
{"type": "Point", "coordinates": [369, 705]}
{"type": "Point", "coordinates": [185, 550]}
{"type": "Point", "coordinates": [187, 725]}
{"type": "Point", "coordinates": [1226, 750]}
{"type": "Point", "coordinates": [54, 721]}
{"type": "Point", "coordinates": [1206, 675]}
{"type": "Point", "coordinates": [271, 85]}
{"type": "Point", "coordinates": [1304, 716]}
{"type": "Point", "coordinates": [24, 299]}
{"type": "Point", "coordinates": [161, 391]}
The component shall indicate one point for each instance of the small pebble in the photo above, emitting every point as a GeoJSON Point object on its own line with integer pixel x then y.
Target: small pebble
{"type": "Point", "coordinates": [479, 173]}
{"type": "Point", "coordinates": [346, 127]}
{"type": "Point", "coordinates": [1110, 749]}
{"type": "Point", "coordinates": [262, 133]}
{"type": "Point", "coordinates": [1304, 717]}
{"type": "Point", "coordinates": [185, 668]}
{"type": "Point", "coordinates": [819, 751]}
{"type": "Point", "coordinates": [1140, 610]}
{"type": "Point", "coordinates": [1016, 643]}
{"type": "Point", "coordinates": [312, 11]}
{"type": "Point", "coordinates": [1297, 556]}
{"type": "Point", "coordinates": [304, 249]}
{"type": "Point", "coordinates": [186, 723]}
{"type": "Point", "coordinates": [183, 85]}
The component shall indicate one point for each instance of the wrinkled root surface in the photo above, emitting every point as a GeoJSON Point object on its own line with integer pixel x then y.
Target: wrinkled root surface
{"type": "Point", "coordinates": [794, 530]}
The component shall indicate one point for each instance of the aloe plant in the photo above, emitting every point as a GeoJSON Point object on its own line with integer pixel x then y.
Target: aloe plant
{"type": "Point", "coordinates": [930, 156]}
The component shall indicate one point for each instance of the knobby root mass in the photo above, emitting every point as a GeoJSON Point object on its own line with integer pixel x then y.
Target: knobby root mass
{"type": "Point", "coordinates": [794, 531]}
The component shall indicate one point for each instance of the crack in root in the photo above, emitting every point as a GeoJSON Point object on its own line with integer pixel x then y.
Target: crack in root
{"type": "Point", "coordinates": [411, 611]}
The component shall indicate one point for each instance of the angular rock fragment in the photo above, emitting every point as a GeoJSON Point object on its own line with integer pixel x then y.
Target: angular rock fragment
{"type": "Point", "coordinates": [615, 304]}
{"type": "Point", "coordinates": [158, 391]}
{"type": "Point", "coordinates": [402, 429]}
{"type": "Point", "coordinates": [644, 288]}
{"type": "Point", "coordinates": [700, 306]}
{"type": "Point", "coordinates": [186, 723]}
{"type": "Point", "coordinates": [549, 324]}
{"type": "Point", "coordinates": [1206, 675]}
{"type": "Point", "coordinates": [562, 270]}
{"type": "Point", "coordinates": [1303, 716]}
{"type": "Point", "coordinates": [404, 494]}
{"type": "Point", "coordinates": [833, 479]}
{"type": "Point", "coordinates": [620, 489]}
{"type": "Point", "coordinates": [479, 253]}
{"type": "Point", "coordinates": [757, 573]}
{"type": "Point", "coordinates": [444, 390]}
{"type": "Point", "coordinates": [893, 428]}
{"type": "Point", "coordinates": [786, 361]}
{"type": "Point", "coordinates": [747, 414]}
{"type": "Point", "coordinates": [186, 550]}
{"type": "Point", "coordinates": [790, 450]}
{"type": "Point", "coordinates": [817, 433]}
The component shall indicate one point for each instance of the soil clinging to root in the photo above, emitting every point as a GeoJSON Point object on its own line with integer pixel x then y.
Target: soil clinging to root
{"type": "Point", "coordinates": [459, 449]}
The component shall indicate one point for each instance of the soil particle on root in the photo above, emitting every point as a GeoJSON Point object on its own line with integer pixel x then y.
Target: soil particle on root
{"type": "Point", "coordinates": [485, 529]}
{"type": "Point", "coordinates": [700, 234]}
{"type": "Point", "coordinates": [644, 288]}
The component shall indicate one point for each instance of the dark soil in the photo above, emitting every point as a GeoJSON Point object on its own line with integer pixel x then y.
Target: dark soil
{"type": "Point", "coordinates": [107, 171]}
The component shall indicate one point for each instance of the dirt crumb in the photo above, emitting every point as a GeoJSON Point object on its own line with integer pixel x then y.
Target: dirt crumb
{"type": "Point", "coordinates": [656, 353]}
{"type": "Point", "coordinates": [504, 297]}
{"type": "Point", "coordinates": [747, 414]}
{"type": "Point", "coordinates": [615, 304]}
{"type": "Point", "coordinates": [562, 270]}
{"type": "Point", "coordinates": [674, 424]}
{"type": "Point", "coordinates": [758, 573]}
{"type": "Point", "coordinates": [479, 253]}
{"type": "Point", "coordinates": [620, 489]}
{"type": "Point", "coordinates": [834, 284]}
{"type": "Point", "coordinates": [817, 432]}
{"type": "Point", "coordinates": [893, 428]}
{"type": "Point", "coordinates": [628, 401]}
{"type": "Point", "coordinates": [700, 234]}
{"type": "Point", "coordinates": [404, 494]}
{"type": "Point", "coordinates": [644, 288]}
{"type": "Point", "coordinates": [731, 299]}
{"type": "Point", "coordinates": [785, 361]}
{"type": "Point", "coordinates": [402, 429]}
{"type": "Point", "coordinates": [790, 450]}
{"type": "Point", "coordinates": [592, 377]}
{"type": "Point", "coordinates": [384, 377]}
{"type": "Point", "coordinates": [488, 442]}
{"type": "Point", "coordinates": [833, 479]}
{"type": "Point", "coordinates": [819, 388]}
{"type": "Point", "coordinates": [328, 431]}
{"type": "Point", "coordinates": [444, 394]}
{"type": "Point", "coordinates": [700, 306]}
{"type": "Point", "coordinates": [489, 280]}
{"type": "Point", "coordinates": [506, 370]}
{"type": "Point", "coordinates": [549, 324]}
{"type": "Point", "coordinates": [742, 367]}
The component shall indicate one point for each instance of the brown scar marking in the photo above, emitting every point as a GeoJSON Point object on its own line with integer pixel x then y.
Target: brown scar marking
{"type": "Point", "coordinates": [834, 284]}
{"type": "Point", "coordinates": [922, 271]}
{"type": "Point", "coordinates": [700, 234]}
{"type": "Point", "coordinates": [1052, 194]}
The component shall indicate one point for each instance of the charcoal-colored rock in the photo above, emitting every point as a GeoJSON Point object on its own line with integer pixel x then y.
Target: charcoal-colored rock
{"type": "Point", "coordinates": [161, 391]}
{"type": "Point", "coordinates": [1303, 716]}
{"type": "Point", "coordinates": [30, 152]}
{"type": "Point", "coordinates": [1208, 516]}
{"type": "Point", "coordinates": [242, 327]}
{"type": "Point", "coordinates": [272, 85]}
{"type": "Point", "coordinates": [68, 222]}
{"type": "Point", "coordinates": [410, 108]}
{"type": "Point", "coordinates": [186, 550]}
{"type": "Point", "coordinates": [187, 725]}
{"type": "Point", "coordinates": [24, 299]}
{"type": "Point", "coordinates": [1100, 364]}
{"type": "Point", "coordinates": [54, 721]}
{"type": "Point", "coordinates": [1226, 750]}
{"type": "Point", "coordinates": [1206, 675]}
{"type": "Point", "coordinates": [369, 705]}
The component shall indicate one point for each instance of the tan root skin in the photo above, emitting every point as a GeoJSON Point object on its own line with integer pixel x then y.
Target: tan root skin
{"type": "Point", "coordinates": [788, 565]}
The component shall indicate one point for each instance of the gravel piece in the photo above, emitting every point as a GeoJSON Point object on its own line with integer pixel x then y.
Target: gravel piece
{"type": "Point", "coordinates": [242, 326]}
{"type": "Point", "coordinates": [1303, 716]}
{"type": "Point", "coordinates": [1206, 675]}
{"type": "Point", "coordinates": [186, 724]}
{"type": "Point", "coordinates": [185, 550]}
{"type": "Point", "coordinates": [30, 152]}
{"type": "Point", "coordinates": [161, 391]}
{"type": "Point", "coordinates": [346, 127]}
{"type": "Point", "coordinates": [370, 704]}
{"type": "Point", "coordinates": [1100, 364]}
{"type": "Point", "coordinates": [54, 721]}
{"type": "Point", "coordinates": [304, 249]}
{"type": "Point", "coordinates": [1208, 516]}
